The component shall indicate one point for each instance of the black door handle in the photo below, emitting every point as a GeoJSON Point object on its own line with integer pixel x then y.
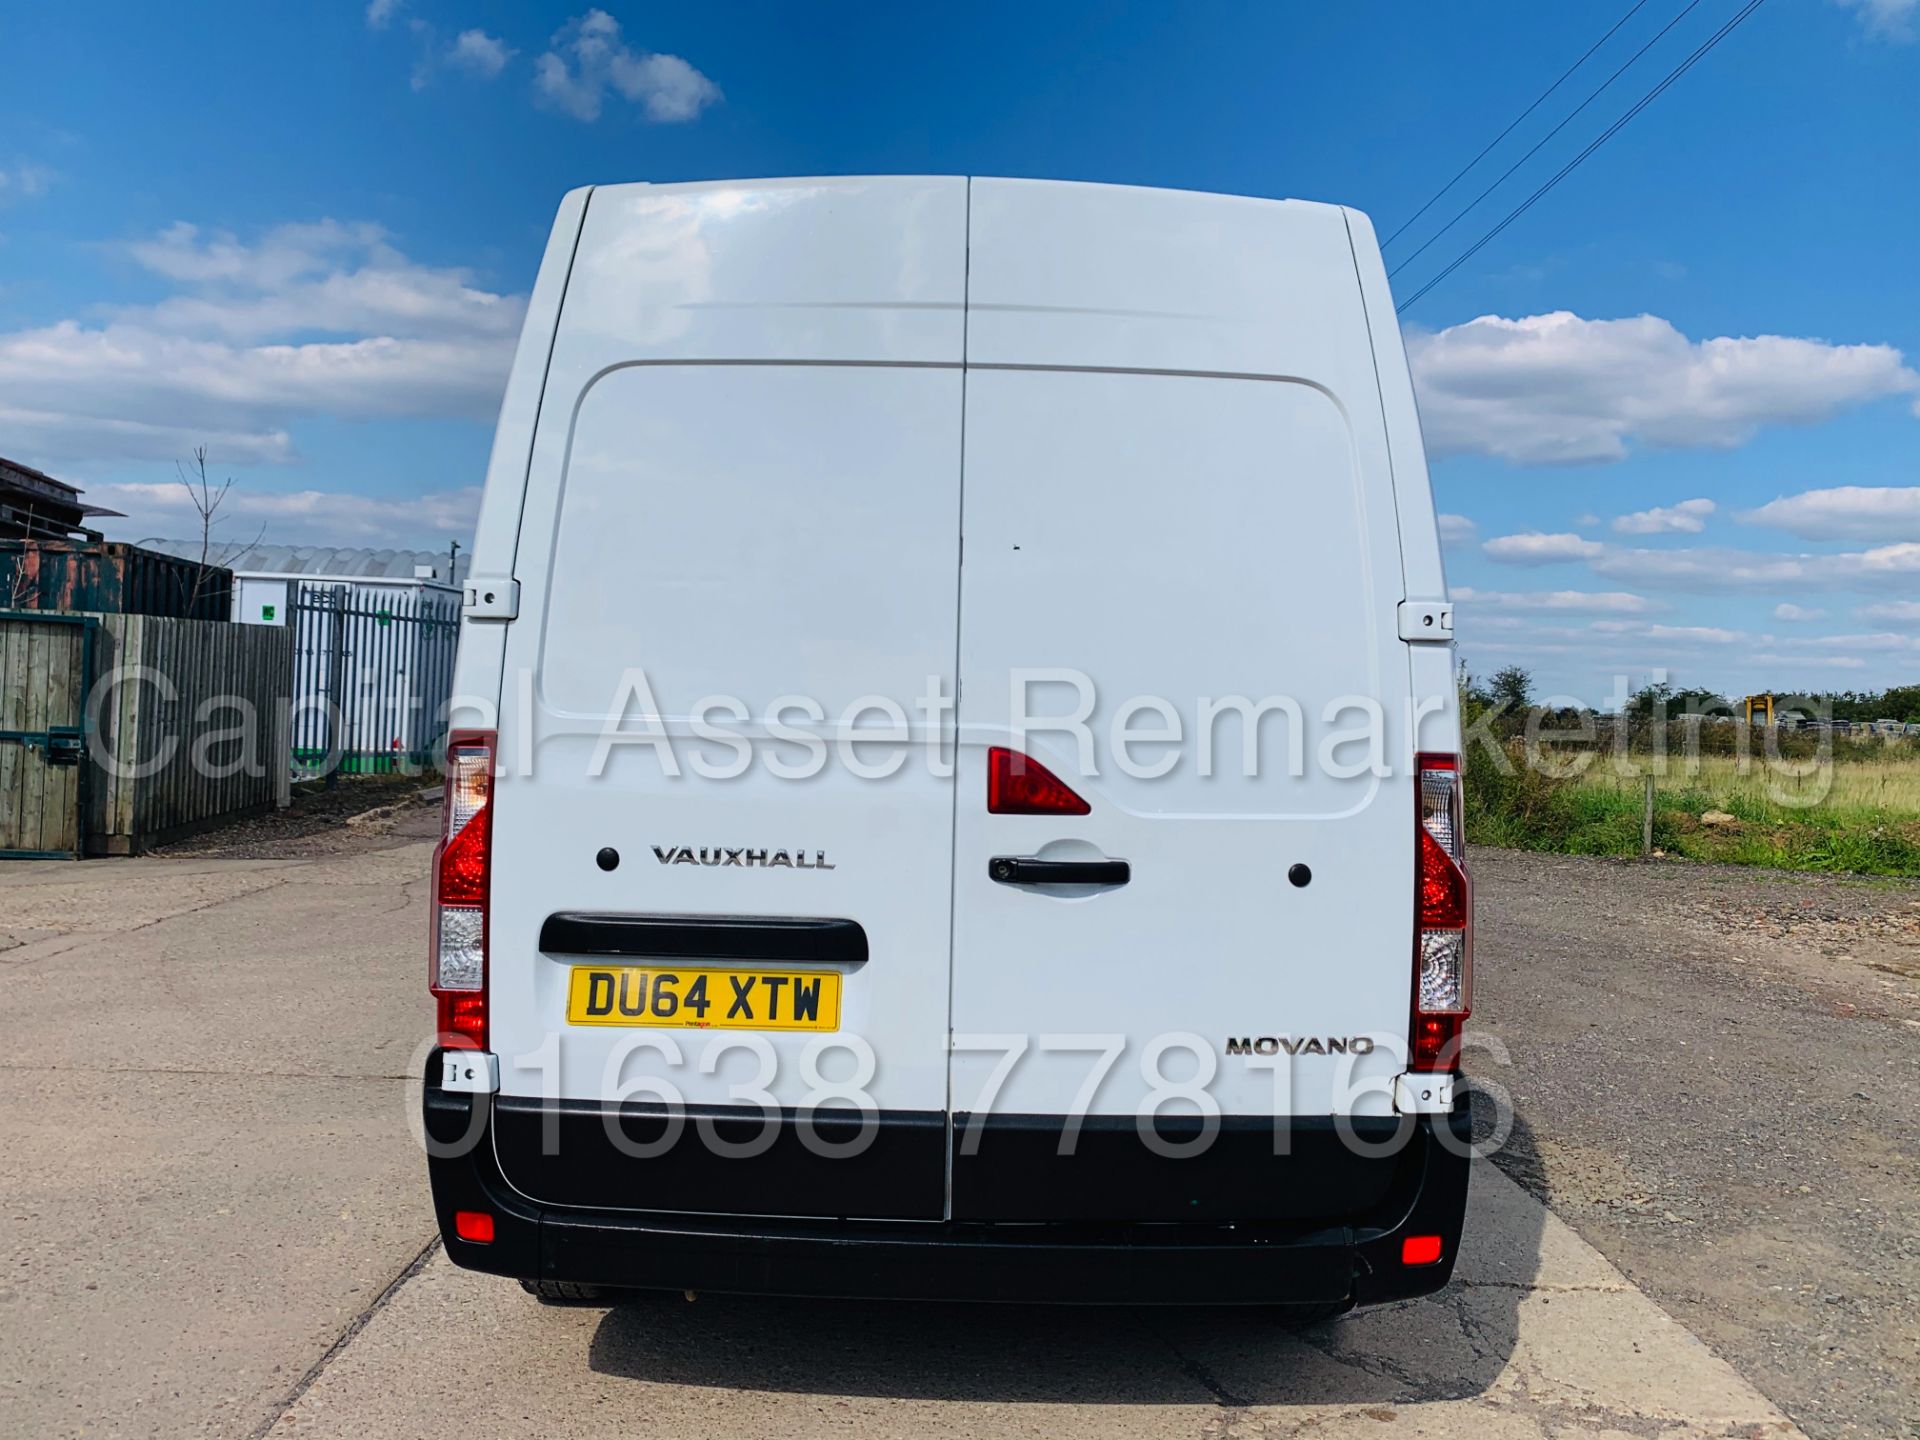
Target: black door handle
{"type": "Point", "coordinates": [1026, 870]}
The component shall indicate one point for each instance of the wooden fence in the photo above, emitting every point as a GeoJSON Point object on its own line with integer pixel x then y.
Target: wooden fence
{"type": "Point", "coordinates": [44, 661]}
{"type": "Point", "coordinates": [189, 727]}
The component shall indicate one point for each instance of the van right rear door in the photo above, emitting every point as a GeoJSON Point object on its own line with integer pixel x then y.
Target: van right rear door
{"type": "Point", "coordinates": [1179, 521]}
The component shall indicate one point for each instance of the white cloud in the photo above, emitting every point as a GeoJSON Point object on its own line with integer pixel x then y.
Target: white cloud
{"type": "Point", "coordinates": [1714, 569]}
{"type": "Point", "coordinates": [1619, 602]}
{"type": "Point", "coordinates": [294, 517]}
{"type": "Point", "coordinates": [1885, 19]}
{"type": "Point", "coordinates": [589, 57]}
{"type": "Point", "coordinates": [325, 318]}
{"type": "Point", "coordinates": [1669, 634]}
{"type": "Point", "coordinates": [1880, 641]}
{"type": "Point", "coordinates": [478, 53]}
{"type": "Point", "coordinates": [1894, 610]}
{"type": "Point", "coordinates": [1533, 548]}
{"type": "Point", "coordinates": [1560, 389]}
{"type": "Point", "coordinates": [1710, 569]}
{"type": "Point", "coordinates": [56, 434]}
{"type": "Point", "coordinates": [285, 253]}
{"type": "Point", "coordinates": [1845, 512]}
{"type": "Point", "coordinates": [1817, 662]}
{"type": "Point", "coordinates": [1707, 634]}
{"type": "Point", "coordinates": [324, 277]}
{"type": "Point", "coordinates": [1689, 517]}
{"type": "Point", "coordinates": [1788, 611]}
{"type": "Point", "coordinates": [472, 53]}
{"type": "Point", "coordinates": [24, 182]}
{"type": "Point", "coordinates": [1457, 530]}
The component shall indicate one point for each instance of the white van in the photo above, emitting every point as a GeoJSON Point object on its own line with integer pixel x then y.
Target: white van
{"type": "Point", "coordinates": [956, 792]}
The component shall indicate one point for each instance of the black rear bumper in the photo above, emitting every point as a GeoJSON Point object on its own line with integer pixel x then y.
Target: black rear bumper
{"type": "Point", "coordinates": [1337, 1256]}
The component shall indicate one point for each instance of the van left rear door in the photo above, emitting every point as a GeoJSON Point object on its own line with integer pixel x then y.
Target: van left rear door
{"type": "Point", "coordinates": [740, 538]}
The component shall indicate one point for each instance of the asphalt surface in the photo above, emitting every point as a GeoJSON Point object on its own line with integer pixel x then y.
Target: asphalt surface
{"type": "Point", "coordinates": [1717, 1076]}
{"type": "Point", "coordinates": [217, 1223]}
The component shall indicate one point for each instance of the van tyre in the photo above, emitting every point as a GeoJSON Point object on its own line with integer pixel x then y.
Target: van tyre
{"type": "Point", "coordinates": [1300, 1317]}
{"type": "Point", "coordinates": [566, 1292]}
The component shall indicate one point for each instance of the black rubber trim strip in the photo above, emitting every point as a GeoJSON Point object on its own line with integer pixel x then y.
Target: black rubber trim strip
{"type": "Point", "coordinates": [800, 939]}
{"type": "Point", "coordinates": [723, 1159]}
{"type": "Point", "coordinates": [1254, 1168]}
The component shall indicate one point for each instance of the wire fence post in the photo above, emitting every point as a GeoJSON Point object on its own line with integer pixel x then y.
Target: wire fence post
{"type": "Point", "coordinates": [1646, 821]}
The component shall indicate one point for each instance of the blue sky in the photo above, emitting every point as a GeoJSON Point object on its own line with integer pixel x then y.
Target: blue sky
{"type": "Point", "coordinates": [1676, 396]}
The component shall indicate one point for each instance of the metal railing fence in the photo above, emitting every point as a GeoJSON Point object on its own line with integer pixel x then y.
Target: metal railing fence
{"type": "Point", "coordinates": [372, 675]}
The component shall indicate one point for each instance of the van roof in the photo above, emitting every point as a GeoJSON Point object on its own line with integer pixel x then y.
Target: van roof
{"type": "Point", "coordinates": [801, 180]}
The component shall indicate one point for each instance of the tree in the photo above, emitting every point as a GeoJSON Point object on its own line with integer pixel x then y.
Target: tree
{"type": "Point", "coordinates": [1650, 700]}
{"type": "Point", "coordinates": [1901, 703]}
{"type": "Point", "coordinates": [1472, 693]}
{"type": "Point", "coordinates": [21, 587]}
{"type": "Point", "coordinates": [1663, 702]}
{"type": "Point", "coordinates": [206, 498]}
{"type": "Point", "coordinates": [1700, 702]}
{"type": "Point", "coordinates": [1511, 686]}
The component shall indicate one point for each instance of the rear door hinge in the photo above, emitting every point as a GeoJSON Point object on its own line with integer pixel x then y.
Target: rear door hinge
{"type": "Point", "coordinates": [1426, 620]}
{"type": "Point", "coordinates": [491, 597]}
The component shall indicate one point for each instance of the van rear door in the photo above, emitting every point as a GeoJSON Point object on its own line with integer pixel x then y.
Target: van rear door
{"type": "Point", "coordinates": [740, 526]}
{"type": "Point", "coordinates": [1179, 518]}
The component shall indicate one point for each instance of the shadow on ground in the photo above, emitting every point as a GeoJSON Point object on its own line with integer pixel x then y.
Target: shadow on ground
{"type": "Point", "coordinates": [1450, 1346]}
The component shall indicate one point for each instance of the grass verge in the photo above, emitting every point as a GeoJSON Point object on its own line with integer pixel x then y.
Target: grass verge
{"type": "Point", "coordinates": [1857, 818]}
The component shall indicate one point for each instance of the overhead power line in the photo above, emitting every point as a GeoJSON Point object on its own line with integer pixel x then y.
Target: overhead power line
{"type": "Point", "coordinates": [1573, 164]}
{"type": "Point", "coordinates": [1598, 90]}
{"type": "Point", "coordinates": [1432, 199]}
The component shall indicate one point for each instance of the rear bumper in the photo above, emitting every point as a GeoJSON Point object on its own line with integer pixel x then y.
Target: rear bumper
{"type": "Point", "coordinates": [1351, 1259]}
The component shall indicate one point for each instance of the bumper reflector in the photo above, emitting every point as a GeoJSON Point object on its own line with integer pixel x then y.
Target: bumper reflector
{"type": "Point", "coordinates": [477, 1226]}
{"type": "Point", "coordinates": [1414, 1250]}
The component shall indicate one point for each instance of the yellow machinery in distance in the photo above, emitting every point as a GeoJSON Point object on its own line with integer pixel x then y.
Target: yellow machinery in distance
{"type": "Point", "coordinates": [1759, 709]}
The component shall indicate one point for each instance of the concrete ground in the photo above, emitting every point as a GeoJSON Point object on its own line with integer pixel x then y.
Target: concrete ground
{"type": "Point", "coordinates": [1538, 1338]}
{"type": "Point", "coordinates": [217, 1224]}
{"type": "Point", "coordinates": [204, 1169]}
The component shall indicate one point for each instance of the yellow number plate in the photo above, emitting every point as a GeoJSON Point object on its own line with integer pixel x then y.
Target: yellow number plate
{"type": "Point", "coordinates": [704, 999]}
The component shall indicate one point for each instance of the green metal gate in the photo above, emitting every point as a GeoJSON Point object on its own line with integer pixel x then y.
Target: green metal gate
{"type": "Point", "coordinates": [45, 660]}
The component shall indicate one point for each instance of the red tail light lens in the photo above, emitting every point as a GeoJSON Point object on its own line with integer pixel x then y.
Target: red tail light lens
{"type": "Point", "coordinates": [463, 867]}
{"type": "Point", "coordinates": [1443, 887]}
{"type": "Point", "coordinates": [1443, 916]}
{"type": "Point", "coordinates": [1018, 784]}
{"type": "Point", "coordinates": [463, 1020]}
{"type": "Point", "coordinates": [458, 975]}
{"type": "Point", "coordinates": [473, 1225]}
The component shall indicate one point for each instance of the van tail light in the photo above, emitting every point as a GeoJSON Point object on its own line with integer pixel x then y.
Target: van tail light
{"type": "Point", "coordinates": [461, 873]}
{"type": "Point", "coordinates": [1443, 916]}
{"type": "Point", "coordinates": [1018, 784]}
